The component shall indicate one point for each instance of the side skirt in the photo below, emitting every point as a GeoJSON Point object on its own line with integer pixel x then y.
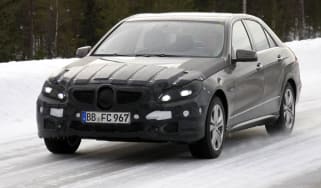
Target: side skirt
{"type": "Point", "coordinates": [252, 123]}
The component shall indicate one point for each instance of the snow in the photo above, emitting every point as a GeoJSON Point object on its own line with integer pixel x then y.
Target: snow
{"type": "Point", "coordinates": [309, 54]}
{"type": "Point", "coordinates": [250, 158]}
{"type": "Point", "coordinates": [20, 84]}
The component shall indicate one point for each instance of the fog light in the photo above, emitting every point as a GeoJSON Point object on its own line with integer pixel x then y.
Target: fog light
{"type": "Point", "coordinates": [166, 98]}
{"type": "Point", "coordinates": [186, 113]}
{"type": "Point", "coordinates": [57, 112]}
{"type": "Point", "coordinates": [48, 90]}
{"type": "Point", "coordinates": [77, 115]}
{"type": "Point", "coordinates": [159, 115]}
{"type": "Point", "coordinates": [136, 116]}
{"type": "Point", "coordinates": [186, 92]}
{"type": "Point", "coordinates": [61, 96]}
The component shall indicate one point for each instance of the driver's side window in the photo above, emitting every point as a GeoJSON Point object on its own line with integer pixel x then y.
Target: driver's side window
{"type": "Point", "coordinates": [240, 38]}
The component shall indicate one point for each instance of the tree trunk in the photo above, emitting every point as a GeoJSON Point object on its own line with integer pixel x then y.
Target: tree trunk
{"type": "Point", "coordinates": [244, 6]}
{"type": "Point", "coordinates": [56, 30]}
{"type": "Point", "coordinates": [301, 20]}
{"type": "Point", "coordinates": [31, 52]}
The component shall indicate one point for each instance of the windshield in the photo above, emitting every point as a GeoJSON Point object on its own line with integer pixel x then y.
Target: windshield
{"type": "Point", "coordinates": [164, 38]}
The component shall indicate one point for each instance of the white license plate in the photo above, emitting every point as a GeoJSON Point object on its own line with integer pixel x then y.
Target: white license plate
{"type": "Point", "coordinates": [106, 117]}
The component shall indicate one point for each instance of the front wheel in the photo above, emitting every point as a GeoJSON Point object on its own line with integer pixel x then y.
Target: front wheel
{"type": "Point", "coordinates": [211, 145]}
{"type": "Point", "coordinates": [66, 145]}
{"type": "Point", "coordinates": [285, 123]}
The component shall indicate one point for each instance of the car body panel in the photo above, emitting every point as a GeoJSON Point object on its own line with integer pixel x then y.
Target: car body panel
{"type": "Point", "coordinates": [249, 86]}
{"type": "Point", "coordinates": [140, 70]}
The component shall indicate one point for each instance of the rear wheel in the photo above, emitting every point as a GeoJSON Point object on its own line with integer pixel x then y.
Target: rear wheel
{"type": "Point", "coordinates": [66, 145]}
{"type": "Point", "coordinates": [285, 123]}
{"type": "Point", "coordinates": [211, 145]}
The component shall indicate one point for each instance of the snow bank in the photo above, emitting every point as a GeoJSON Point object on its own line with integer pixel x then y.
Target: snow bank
{"type": "Point", "coordinates": [309, 55]}
{"type": "Point", "coordinates": [20, 84]}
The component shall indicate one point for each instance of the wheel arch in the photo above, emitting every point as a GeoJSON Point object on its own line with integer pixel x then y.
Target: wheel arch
{"type": "Point", "coordinates": [221, 95]}
{"type": "Point", "coordinates": [293, 85]}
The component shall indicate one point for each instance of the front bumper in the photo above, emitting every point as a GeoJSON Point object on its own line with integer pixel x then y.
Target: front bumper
{"type": "Point", "coordinates": [179, 128]}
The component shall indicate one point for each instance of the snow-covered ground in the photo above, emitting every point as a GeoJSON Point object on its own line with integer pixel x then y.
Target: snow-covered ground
{"type": "Point", "coordinates": [250, 158]}
{"type": "Point", "coordinates": [20, 84]}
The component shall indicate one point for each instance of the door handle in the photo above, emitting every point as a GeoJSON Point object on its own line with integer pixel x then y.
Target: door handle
{"type": "Point", "coordinates": [259, 66]}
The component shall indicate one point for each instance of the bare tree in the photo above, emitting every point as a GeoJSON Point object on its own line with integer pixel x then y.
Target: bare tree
{"type": "Point", "coordinates": [31, 42]}
{"type": "Point", "coordinates": [244, 6]}
{"type": "Point", "coordinates": [56, 30]}
{"type": "Point", "coordinates": [301, 19]}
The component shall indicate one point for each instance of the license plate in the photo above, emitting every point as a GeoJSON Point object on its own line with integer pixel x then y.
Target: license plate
{"type": "Point", "coordinates": [106, 117]}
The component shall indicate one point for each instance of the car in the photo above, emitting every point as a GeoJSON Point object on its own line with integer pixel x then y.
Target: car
{"type": "Point", "coordinates": [186, 78]}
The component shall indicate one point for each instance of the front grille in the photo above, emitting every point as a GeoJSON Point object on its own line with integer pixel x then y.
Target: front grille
{"type": "Point", "coordinates": [125, 97]}
{"type": "Point", "coordinates": [105, 98]}
{"type": "Point", "coordinates": [86, 97]}
{"type": "Point", "coordinates": [133, 127]}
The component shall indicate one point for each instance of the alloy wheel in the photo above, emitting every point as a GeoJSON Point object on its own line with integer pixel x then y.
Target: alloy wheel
{"type": "Point", "coordinates": [217, 127]}
{"type": "Point", "coordinates": [288, 108]}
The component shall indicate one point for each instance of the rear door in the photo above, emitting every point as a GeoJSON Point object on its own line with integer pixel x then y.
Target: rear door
{"type": "Point", "coordinates": [249, 79]}
{"type": "Point", "coordinates": [269, 56]}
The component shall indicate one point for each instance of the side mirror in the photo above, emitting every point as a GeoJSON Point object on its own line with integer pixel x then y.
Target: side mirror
{"type": "Point", "coordinates": [83, 51]}
{"type": "Point", "coordinates": [245, 55]}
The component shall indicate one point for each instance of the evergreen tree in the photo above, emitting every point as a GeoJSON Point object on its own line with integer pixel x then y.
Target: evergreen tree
{"type": "Point", "coordinates": [31, 29]}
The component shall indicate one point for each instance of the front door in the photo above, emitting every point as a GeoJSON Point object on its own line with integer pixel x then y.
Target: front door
{"type": "Point", "coordinates": [249, 80]}
{"type": "Point", "coordinates": [269, 54]}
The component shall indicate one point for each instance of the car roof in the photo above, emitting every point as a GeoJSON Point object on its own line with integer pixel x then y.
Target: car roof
{"type": "Point", "coordinates": [188, 16]}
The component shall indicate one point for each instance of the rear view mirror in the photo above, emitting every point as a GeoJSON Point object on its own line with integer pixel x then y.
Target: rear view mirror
{"type": "Point", "coordinates": [83, 51]}
{"type": "Point", "coordinates": [245, 55]}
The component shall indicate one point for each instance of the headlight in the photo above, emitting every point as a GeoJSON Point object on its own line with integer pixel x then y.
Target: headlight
{"type": "Point", "coordinates": [48, 90]}
{"type": "Point", "coordinates": [61, 96]}
{"type": "Point", "coordinates": [179, 93]}
{"type": "Point", "coordinates": [166, 98]}
{"type": "Point", "coordinates": [54, 91]}
{"type": "Point", "coordinates": [186, 92]}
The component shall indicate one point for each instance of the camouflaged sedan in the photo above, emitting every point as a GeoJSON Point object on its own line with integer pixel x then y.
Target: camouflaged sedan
{"type": "Point", "coordinates": [173, 77]}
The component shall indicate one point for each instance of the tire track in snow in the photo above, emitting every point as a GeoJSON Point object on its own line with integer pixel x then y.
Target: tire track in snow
{"type": "Point", "coordinates": [116, 161]}
{"type": "Point", "coordinates": [257, 168]}
{"type": "Point", "coordinates": [95, 162]}
{"type": "Point", "coordinates": [278, 143]}
{"type": "Point", "coordinates": [127, 161]}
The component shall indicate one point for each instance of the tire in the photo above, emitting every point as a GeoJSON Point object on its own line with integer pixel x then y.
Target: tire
{"type": "Point", "coordinates": [285, 123]}
{"type": "Point", "coordinates": [212, 144]}
{"type": "Point", "coordinates": [67, 145]}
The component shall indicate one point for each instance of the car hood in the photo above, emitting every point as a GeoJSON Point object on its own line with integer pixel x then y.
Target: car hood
{"type": "Point", "coordinates": [165, 71]}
